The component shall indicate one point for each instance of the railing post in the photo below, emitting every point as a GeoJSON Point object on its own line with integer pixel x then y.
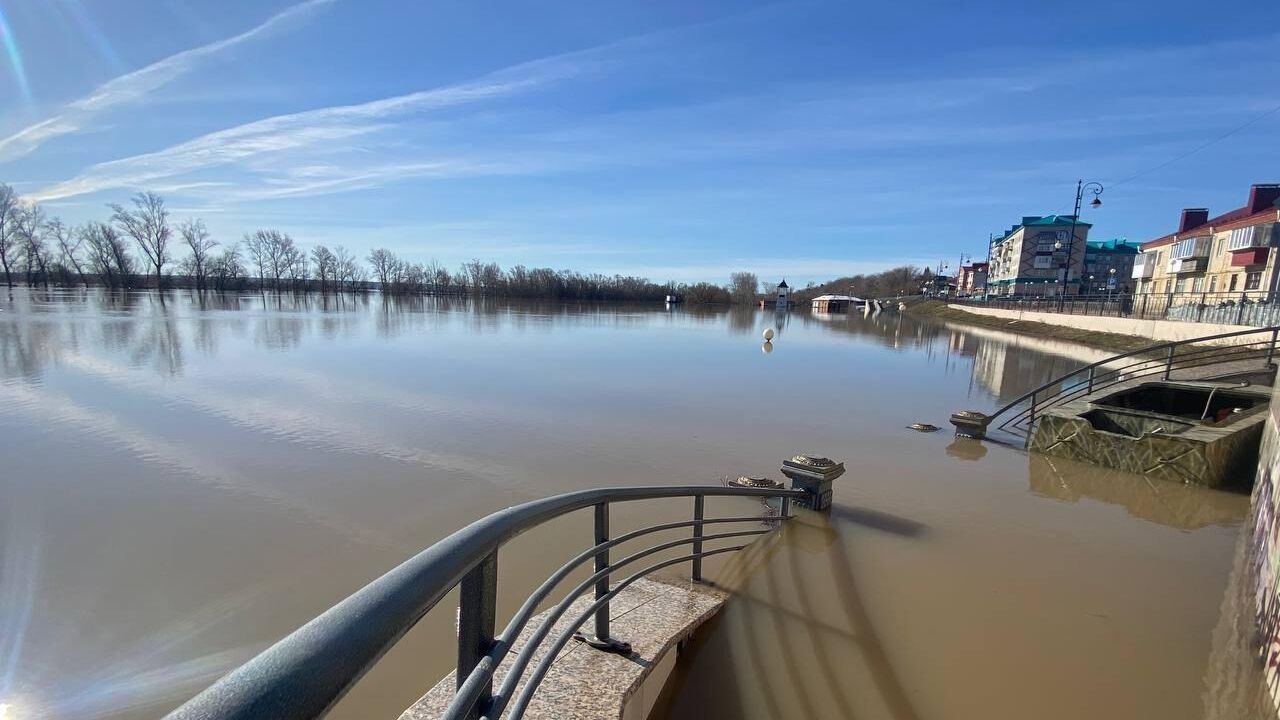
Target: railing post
{"type": "Point", "coordinates": [698, 509]}
{"type": "Point", "coordinates": [1092, 370]}
{"type": "Point", "coordinates": [1240, 309]}
{"type": "Point", "coordinates": [814, 476]}
{"type": "Point", "coordinates": [1271, 348]}
{"type": "Point", "coordinates": [1168, 363]}
{"type": "Point", "coordinates": [1143, 312]}
{"type": "Point", "coordinates": [477, 605]}
{"type": "Point", "coordinates": [1031, 421]}
{"type": "Point", "coordinates": [601, 640]}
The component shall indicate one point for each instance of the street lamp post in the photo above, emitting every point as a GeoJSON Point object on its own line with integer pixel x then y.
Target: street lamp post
{"type": "Point", "coordinates": [1111, 282]}
{"type": "Point", "coordinates": [1081, 186]}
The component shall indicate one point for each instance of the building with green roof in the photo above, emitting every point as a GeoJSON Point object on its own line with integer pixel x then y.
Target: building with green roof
{"type": "Point", "coordinates": [1108, 265]}
{"type": "Point", "coordinates": [1042, 255]}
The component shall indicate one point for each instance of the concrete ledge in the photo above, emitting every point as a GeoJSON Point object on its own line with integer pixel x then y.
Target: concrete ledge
{"type": "Point", "coordinates": [1157, 330]}
{"type": "Point", "coordinates": [587, 684]}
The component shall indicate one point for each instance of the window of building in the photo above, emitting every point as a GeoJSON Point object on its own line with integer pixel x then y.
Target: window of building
{"type": "Point", "coordinates": [1197, 285]}
{"type": "Point", "coordinates": [1182, 285]}
{"type": "Point", "coordinates": [1233, 283]}
{"type": "Point", "coordinates": [1213, 284]}
{"type": "Point", "coordinates": [1043, 262]}
{"type": "Point", "coordinates": [1252, 281]}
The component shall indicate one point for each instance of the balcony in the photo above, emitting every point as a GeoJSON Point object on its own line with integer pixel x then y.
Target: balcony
{"type": "Point", "coordinates": [1246, 238]}
{"type": "Point", "coordinates": [1188, 265]}
{"type": "Point", "coordinates": [1194, 247]}
{"type": "Point", "coordinates": [1252, 256]}
{"type": "Point", "coordinates": [1144, 266]}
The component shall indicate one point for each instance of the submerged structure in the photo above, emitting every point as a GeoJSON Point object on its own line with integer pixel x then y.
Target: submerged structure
{"type": "Point", "coordinates": [1205, 433]}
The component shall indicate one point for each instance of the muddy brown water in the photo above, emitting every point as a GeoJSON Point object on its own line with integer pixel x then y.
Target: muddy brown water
{"type": "Point", "coordinates": [186, 481]}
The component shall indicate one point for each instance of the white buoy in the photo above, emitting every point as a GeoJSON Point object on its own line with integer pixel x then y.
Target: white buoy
{"type": "Point", "coordinates": [768, 334]}
{"type": "Point", "coordinates": [766, 347]}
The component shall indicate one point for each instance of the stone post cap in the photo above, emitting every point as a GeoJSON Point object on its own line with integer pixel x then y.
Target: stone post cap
{"type": "Point", "coordinates": [812, 467]}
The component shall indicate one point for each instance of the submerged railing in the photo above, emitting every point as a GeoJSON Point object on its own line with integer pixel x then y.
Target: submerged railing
{"type": "Point", "coordinates": [1251, 350]}
{"type": "Point", "coordinates": [307, 673]}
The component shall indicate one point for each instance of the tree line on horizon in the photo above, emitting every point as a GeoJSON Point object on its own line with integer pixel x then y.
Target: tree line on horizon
{"type": "Point", "coordinates": [38, 249]}
{"type": "Point", "coordinates": [894, 282]}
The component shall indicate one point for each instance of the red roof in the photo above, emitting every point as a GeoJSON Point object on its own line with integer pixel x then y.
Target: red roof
{"type": "Point", "coordinates": [1240, 217]}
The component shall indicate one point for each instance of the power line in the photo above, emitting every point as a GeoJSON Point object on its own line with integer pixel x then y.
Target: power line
{"type": "Point", "coordinates": [1198, 148]}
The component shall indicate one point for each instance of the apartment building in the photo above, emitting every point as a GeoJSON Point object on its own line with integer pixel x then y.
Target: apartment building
{"type": "Point", "coordinates": [1032, 258]}
{"type": "Point", "coordinates": [1108, 265]}
{"type": "Point", "coordinates": [972, 279]}
{"type": "Point", "coordinates": [1229, 253]}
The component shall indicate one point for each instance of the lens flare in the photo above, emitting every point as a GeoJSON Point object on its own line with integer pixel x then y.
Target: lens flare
{"type": "Point", "coordinates": [15, 60]}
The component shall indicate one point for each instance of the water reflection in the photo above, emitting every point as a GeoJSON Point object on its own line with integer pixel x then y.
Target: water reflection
{"type": "Point", "coordinates": [1182, 506]}
{"type": "Point", "coordinates": [194, 476]}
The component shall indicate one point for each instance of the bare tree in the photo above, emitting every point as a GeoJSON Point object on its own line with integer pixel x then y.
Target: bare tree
{"type": "Point", "coordinates": [384, 263]}
{"type": "Point", "coordinates": [10, 206]}
{"type": "Point", "coordinates": [349, 270]}
{"type": "Point", "coordinates": [148, 225]}
{"type": "Point", "coordinates": [326, 266]}
{"type": "Point", "coordinates": [275, 255]}
{"type": "Point", "coordinates": [68, 244]}
{"type": "Point", "coordinates": [227, 268]}
{"type": "Point", "coordinates": [108, 254]}
{"type": "Point", "coordinates": [742, 287]}
{"type": "Point", "coordinates": [294, 261]}
{"type": "Point", "coordinates": [201, 244]}
{"type": "Point", "coordinates": [29, 226]}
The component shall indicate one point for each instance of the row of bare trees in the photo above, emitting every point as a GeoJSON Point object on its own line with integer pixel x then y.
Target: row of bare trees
{"type": "Point", "coordinates": [904, 280]}
{"type": "Point", "coordinates": [38, 250]}
{"type": "Point", "coordinates": [41, 250]}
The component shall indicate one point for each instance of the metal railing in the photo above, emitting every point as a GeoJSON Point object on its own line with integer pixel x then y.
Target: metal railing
{"type": "Point", "coordinates": [1253, 307]}
{"type": "Point", "coordinates": [305, 674]}
{"type": "Point", "coordinates": [1249, 351]}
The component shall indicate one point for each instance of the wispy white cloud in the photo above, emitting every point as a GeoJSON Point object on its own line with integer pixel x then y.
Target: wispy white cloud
{"type": "Point", "coordinates": [138, 84]}
{"type": "Point", "coordinates": [322, 150]}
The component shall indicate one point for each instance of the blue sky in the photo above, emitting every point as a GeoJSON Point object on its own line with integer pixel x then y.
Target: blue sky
{"type": "Point", "coordinates": [676, 140]}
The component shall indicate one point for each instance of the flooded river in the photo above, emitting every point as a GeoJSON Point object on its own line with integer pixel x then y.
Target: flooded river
{"type": "Point", "coordinates": [185, 482]}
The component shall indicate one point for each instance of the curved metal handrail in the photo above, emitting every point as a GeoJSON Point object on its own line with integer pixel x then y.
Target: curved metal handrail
{"type": "Point", "coordinates": [1142, 368]}
{"type": "Point", "coordinates": [306, 673]}
{"type": "Point", "coordinates": [1149, 356]}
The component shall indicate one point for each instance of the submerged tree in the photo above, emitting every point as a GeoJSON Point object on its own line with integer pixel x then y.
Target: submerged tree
{"type": "Point", "coordinates": [325, 266]}
{"type": "Point", "coordinates": [200, 245]}
{"type": "Point", "coordinates": [148, 224]}
{"type": "Point", "coordinates": [67, 242]}
{"type": "Point", "coordinates": [275, 255]}
{"type": "Point", "coordinates": [10, 205]}
{"type": "Point", "coordinates": [227, 268]}
{"type": "Point", "coordinates": [29, 225]}
{"type": "Point", "coordinates": [108, 254]}
{"type": "Point", "coordinates": [742, 287]}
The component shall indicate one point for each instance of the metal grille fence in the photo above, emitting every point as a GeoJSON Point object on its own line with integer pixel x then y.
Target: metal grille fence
{"type": "Point", "coordinates": [1254, 308]}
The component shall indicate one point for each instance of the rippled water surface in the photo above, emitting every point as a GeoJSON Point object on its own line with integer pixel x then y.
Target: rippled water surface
{"type": "Point", "coordinates": [184, 482]}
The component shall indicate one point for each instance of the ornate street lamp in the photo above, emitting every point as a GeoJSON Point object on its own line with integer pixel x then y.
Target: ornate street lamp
{"type": "Point", "coordinates": [1081, 186]}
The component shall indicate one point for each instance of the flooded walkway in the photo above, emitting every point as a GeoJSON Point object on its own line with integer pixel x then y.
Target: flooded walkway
{"type": "Point", "coordinates": [1108, 597]}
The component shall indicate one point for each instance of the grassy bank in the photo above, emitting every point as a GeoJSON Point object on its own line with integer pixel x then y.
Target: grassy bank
{"type": "Point", "coordinates": [1107, 341]}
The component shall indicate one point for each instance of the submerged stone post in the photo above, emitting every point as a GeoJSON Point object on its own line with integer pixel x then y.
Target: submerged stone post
{"type": "Point", "coordinates": [814, 476]}
{"type": "Point", "coordinates": [971, 423]}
